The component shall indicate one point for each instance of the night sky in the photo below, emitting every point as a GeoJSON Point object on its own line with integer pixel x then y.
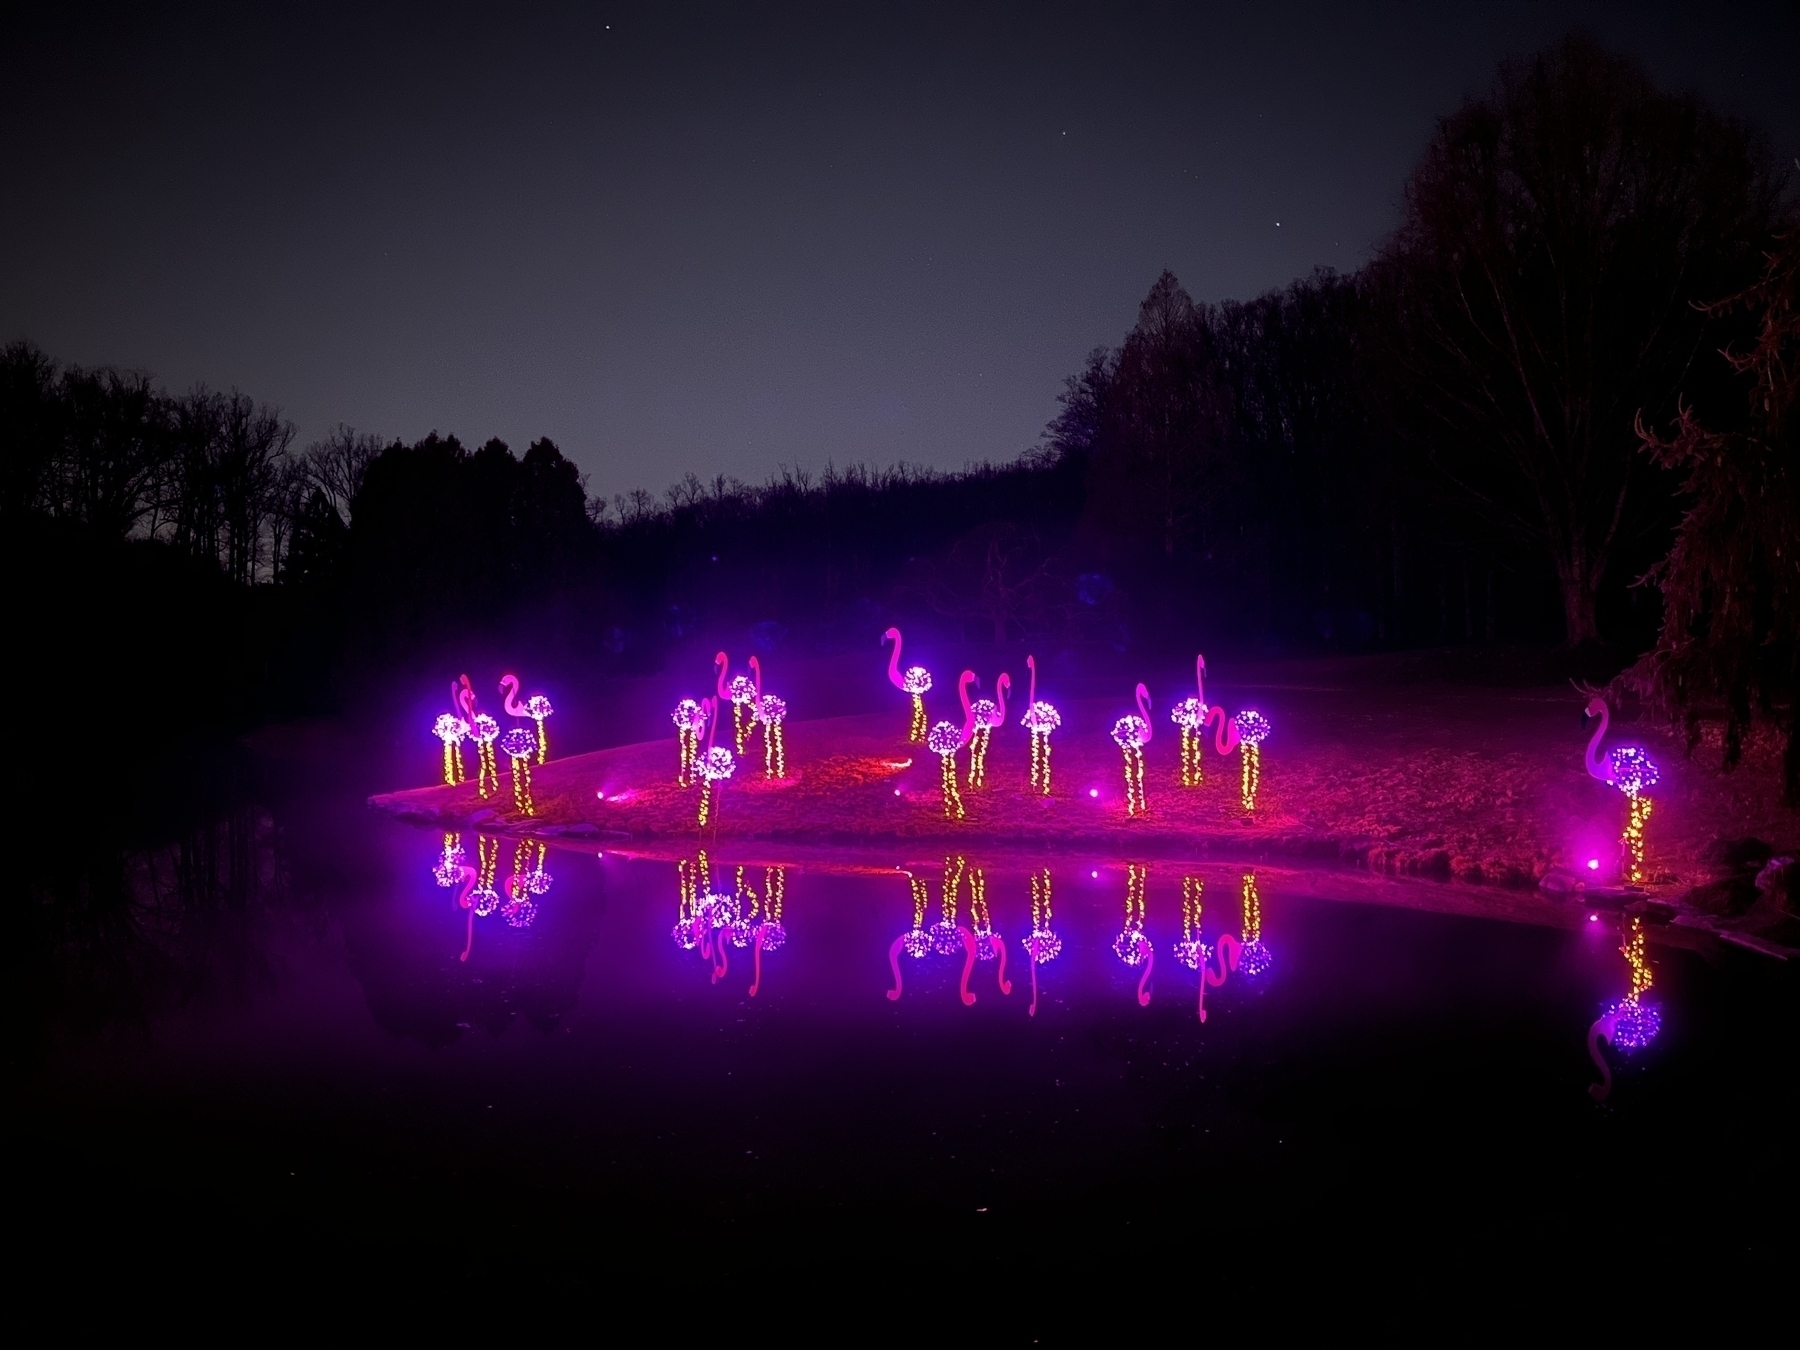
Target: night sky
{"type": "Point", "coordinates": [723, 239]}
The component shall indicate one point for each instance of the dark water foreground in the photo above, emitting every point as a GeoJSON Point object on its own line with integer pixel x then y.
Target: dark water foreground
{"type": "Point", "coordinates": [260, 1029]}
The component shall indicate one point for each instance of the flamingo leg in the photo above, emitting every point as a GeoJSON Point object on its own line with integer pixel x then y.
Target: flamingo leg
{"type": "Point", "coordinates": [469, 943]}
{"type": "Point", "coordinates": [894, 964]}
{"type": "Point", "coordinates": [968, 940]}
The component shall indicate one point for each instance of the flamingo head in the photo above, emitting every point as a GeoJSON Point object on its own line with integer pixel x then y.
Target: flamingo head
{"type": "Point", "coordinates": [1595, 709]}
{"type": "Point", "coordinates": [756, 675]}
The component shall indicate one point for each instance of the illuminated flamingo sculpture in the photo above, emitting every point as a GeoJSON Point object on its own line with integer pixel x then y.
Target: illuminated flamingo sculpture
{"type": "Point", "coordinates": [520, 745]}
{"type": "Point", "coordinates": [537, 708]}
{"type": "Point", "coordinates": [1229, 951]}
{"type": "Point", "coordinates": [988, 715]}
{"type": "Point", "coordinates": [451, 730]}
{"type": "Point", "coordinates": [716, 765]}
{"type": "Point", "coordinates": [1190, 716]}
{"type": "Point", "coordinates": [690, 720]}
{"type": "Point", "coordinates": [770, 712]}
{"type": "Point", "coordinates": [945, 740]}
{"type": "Point", "coordinates": [1042, 945]}
{"type": "Point", "coordinates": [916, 681]}
{"type": "Point", "coordinates": [770, 935]}
{"type": "Point", "coordinates": [1252, 730]}
{"type": "Point", "coordinates": [1225, 730]}
{"type": "Point", "coordinates": [736, 690]}
{"type": "Point", "coordinates": [1131, 945]}
{"type": "Point", "coordinates": [1631, 771]}
{"type": "Point", "coordinates": [1131, 733]}
{"type": "Point", "coordinates": [1040, 720]}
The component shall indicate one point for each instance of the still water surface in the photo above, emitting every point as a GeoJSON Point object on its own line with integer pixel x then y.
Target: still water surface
{"type": "Point", "coordinates": [338, 1045]}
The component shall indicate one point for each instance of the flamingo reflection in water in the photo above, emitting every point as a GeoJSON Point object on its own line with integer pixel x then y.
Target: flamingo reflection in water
{"type": "Point", "coordinates": [449, 867]}
{"type": "Point", "coordinates": [943, 937]}
{"type": "Point", "coordinates": [1131, 945]}
{"type": "Point", "coordinates": [1042, 945]}
{"type": "Point", "coordinates": [1629, 1024]}
{"type": "Point", "coordinates": [770, 935]}
{"type": "Point", "coordinates": [988, 943]}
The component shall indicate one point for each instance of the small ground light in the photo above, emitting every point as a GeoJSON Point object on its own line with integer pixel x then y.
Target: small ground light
{"type": "Point", "coordinates": [1593, 918]}
{"type": "Point", "coordinates": [896, 792]}
{"type": "Point", "coordinates": [1094, 875]}
{"type": "Point", "coordinates": [1093, 792]}
{"type": "Point", "coordinates": [1593, 864]}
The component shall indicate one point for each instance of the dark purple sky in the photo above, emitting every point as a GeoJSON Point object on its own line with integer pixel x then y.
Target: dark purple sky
{"type": "Point", "coordinates": [723, 239]}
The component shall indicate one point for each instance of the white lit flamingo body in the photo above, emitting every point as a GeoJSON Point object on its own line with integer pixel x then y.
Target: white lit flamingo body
{"type": "Point", "coordinates": [1252, 730]}
{"type": "Point", "coordinates": [690, 721]}
{"type": "Point", "coordinates": [452, 731]}
{"type": "Point", "coordinates": [988, 714]}
{"type": "Point", "coordinates": [770, 712]}
{"type": "Point", "coordinates": [1190, 716]}
{"type": "Point", "coordinates": [716, 765]}
{"type": "Point", "coordinates": [916, 681]}
{"type": "Point", "coordinates": [487, 731]}
{"type": "Point", "coordinates": [945, 740]}
{"type": "Point", "coordinates": [1040, 720]}
{"type": "Point", "coordinates": [520, 746]}
{"type": "Point", "coordinates": [1631, 770]}
{"type": "Point", "coordinates": [1131, 733]}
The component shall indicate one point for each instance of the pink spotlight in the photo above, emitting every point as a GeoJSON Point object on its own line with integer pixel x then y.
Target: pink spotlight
{"type": "Point", "coordinates": [896, 792]}
{"type": "Point", "coordinates": [1093, 792]}
{"type": "Point", "coordinates": [1593, 918]}
{"type": "Point", "coordinates": [1094, 875]}
{"type": "Point", "coordinates": [1593, 864]}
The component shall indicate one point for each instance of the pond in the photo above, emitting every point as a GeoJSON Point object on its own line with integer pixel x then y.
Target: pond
{"type": "Point", "coordinates": [292, 1025]}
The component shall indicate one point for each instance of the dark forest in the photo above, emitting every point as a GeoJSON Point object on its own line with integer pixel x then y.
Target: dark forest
{"type": "Point", "coordinates": [1553, 411]}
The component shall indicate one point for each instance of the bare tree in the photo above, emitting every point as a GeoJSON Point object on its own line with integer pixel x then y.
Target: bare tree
{"type": "Point", "coordinates": [338, 464]}
{"type": "Point", "coordinates": [1539, 293]}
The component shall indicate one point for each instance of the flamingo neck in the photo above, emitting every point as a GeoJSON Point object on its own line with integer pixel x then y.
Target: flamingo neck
{"type": "Point", "coordinates": [894, 675]}
{"type": "Point", "coordinates": [723, 664]}
{"type": "Point", "coordinates": [1225, 740]}
{"type": "Point", "coordinates": [1001, 686]}
{"type": "Point", "coordinates": [756, 675]}
{"type": "Point", "coordinates": [509, 691]}
{"type": "Point", "coordinates": [1200, 678]}
{"type": "Point", "coordinates": [1031, 665]}
{"type": "Point", "coordinates": [1594, 766]}
{"type": "Point", "coordinates": [962, 689]}
{"type": "Point", "coordinates": [1143, 705]}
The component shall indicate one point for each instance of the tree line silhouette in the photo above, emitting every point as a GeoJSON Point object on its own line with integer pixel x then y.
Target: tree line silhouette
{"type": "Point", "coordinates": [1459, 443]}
